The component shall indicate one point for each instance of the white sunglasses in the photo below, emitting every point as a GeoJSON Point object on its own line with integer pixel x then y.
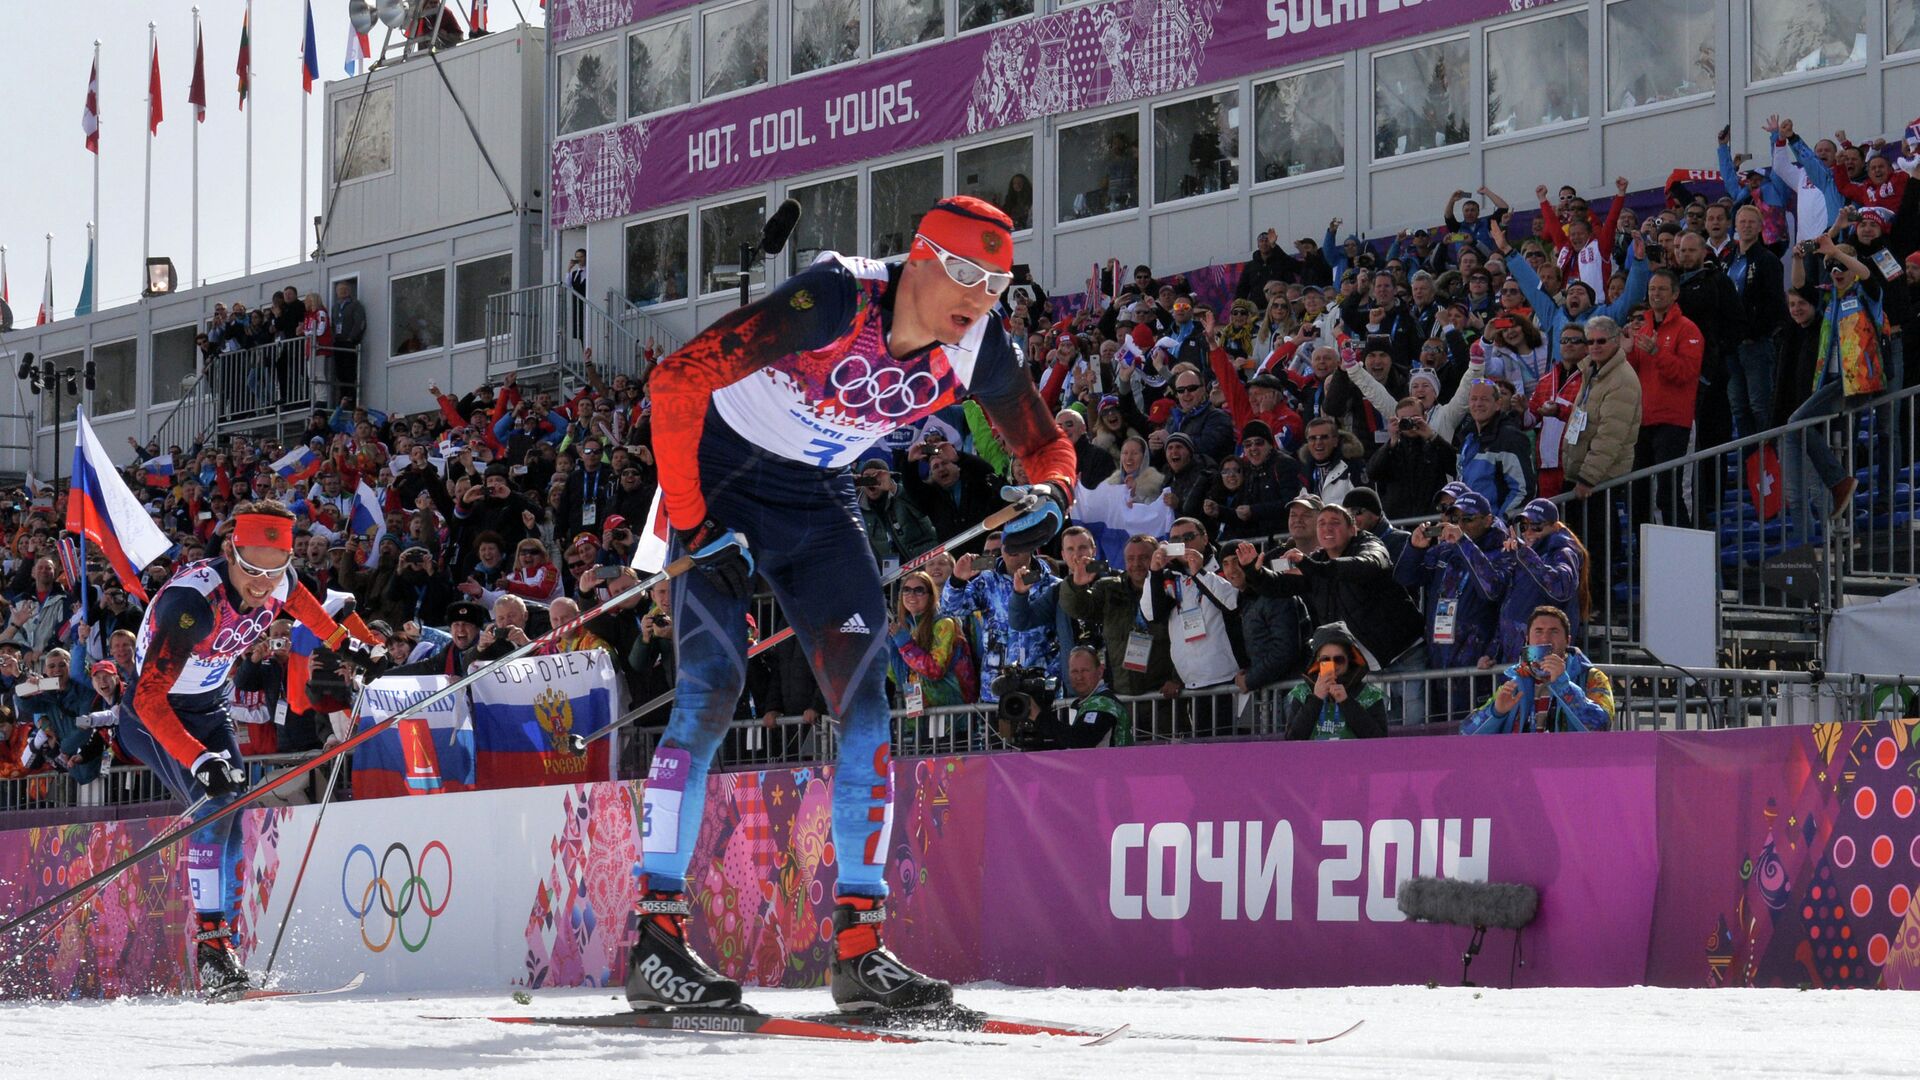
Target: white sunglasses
{"type": "Point", "coordinates": [968, 274]}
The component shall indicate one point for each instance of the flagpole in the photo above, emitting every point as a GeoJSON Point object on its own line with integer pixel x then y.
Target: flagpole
{"type": "Point", "coordinates": [80, 636]}
{"type": "Point", "coordinates": [306, 106]}
{"type": "Point", "coordinates": [249, 105]}
{"type": "Point", "coordinates": [94, 272]}
{"type": "Point", "coordinates": [193, 275]}
{"type": "Point", "coordinates": [146, 222]}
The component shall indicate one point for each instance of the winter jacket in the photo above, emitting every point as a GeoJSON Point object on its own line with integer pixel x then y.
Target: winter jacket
{"type": "Point", "coordinates": [1275, 629]}
{"type": "Point", "coordinates": [1114, 604]}
{"type": "Point", "coordinates": [1463, 589]}
{"type": "Point", "coordinates": [1608, 415]}
{"type": "Point", "coordinates": [1410, 472]}
{"type": "Point", "coordinates": [1545, 572]}
{"type": "Point", "coordinates": [1670, 374]}
{"type": "Point", "coordinates": [1363, 715]}
{"type": "Point", "coordinates": [1172, 599]}
{"type": "Point", "coordinates": [1332, 480]}
{"type": "Point", "coordinates": [1210, 428]}
{"type": "Point", "coordinates": [1581, 699]}
{"type": "Point", "coordinates": [1553, 318]}
{"type": "Point", "coordinates": [1852, 337]}
{"type": "Point", "coordinates": [1759, 279]}
{"type": "Point", "coordinates": [1796, 363]}
{"type": "Point", "coordinates": [990, 594]}
{"type": "Point", "coordinates": [896, 529]}
{"type": "Point", "coordinates": [1709, 301]}
{"type": "Point", "coordinates": [932, 669]}
{"type": "Point", "coordinates": [1497, 461]}
{"type": "Point", "coordinates": [1357, 588]}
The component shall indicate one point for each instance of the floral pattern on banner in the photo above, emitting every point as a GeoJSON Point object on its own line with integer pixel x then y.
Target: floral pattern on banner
{"type": "Point", "coordinates": [576, 930]}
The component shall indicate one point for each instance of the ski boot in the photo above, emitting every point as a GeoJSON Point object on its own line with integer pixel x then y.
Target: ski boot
{"type": "Point", "coordinates": [865, 975]}
{"type": "Point", "coordinates": [663, 971]}
{"type": "Point", "coordinates": [221, 976]}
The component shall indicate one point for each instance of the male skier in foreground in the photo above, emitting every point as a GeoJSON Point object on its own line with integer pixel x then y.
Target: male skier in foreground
{"type": "Point", "coordinates": [199, 623]}
{"type": "Point", "coordinates": [755, 424]}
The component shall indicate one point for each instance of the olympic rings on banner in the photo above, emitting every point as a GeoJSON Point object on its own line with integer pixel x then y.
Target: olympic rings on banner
{"type": "Point", "coordinates": [395, 895]}
{"type": "Point", "coordinates": [886, 390]}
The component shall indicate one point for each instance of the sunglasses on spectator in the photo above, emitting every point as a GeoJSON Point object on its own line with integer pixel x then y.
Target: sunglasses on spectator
{"type": "Point", "coordinates": [967, 274]}
{"type": "Point", "coordinates": [1184, 537]}
{"type": "Point", "coordinates": [915, 590]}
{"type": "Point", "coordinates": [576, 567]}
{"type": "Point", "coordinates": [1598, 340]}
{"type": "Point", "coordinates": [1186, 388]}
{"type": "Point", "coordinates": [1573, 339]}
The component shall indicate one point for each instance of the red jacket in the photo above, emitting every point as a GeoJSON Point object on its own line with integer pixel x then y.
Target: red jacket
{"type": "Point", "coordinates": [1670, 374]}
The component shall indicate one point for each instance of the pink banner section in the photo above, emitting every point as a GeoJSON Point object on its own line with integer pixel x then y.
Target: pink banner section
{"type": "Point", "coordinates": [1086, 57]}
{"type": "Point", "coordinates": [1770, 857]}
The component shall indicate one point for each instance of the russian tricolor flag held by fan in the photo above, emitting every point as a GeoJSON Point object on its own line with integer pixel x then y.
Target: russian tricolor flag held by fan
{"type": "Point", "coordinates": [159, 471]}
{"type": "Point", "coordinates": [298, 464]}
{"type": "Point", "coordinates": [103, 509]}
{"type": "Point", "coordinates": [368, 521]}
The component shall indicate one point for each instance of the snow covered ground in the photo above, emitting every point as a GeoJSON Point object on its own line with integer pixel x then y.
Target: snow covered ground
{"type": "Point", "coordinates": [1409, 1032]}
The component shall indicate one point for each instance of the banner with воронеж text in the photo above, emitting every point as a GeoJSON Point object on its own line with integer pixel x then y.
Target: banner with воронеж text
{"type": "Point", "coordinates": [529, 714]}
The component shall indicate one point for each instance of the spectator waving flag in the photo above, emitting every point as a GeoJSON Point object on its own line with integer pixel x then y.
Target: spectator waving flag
{"type": "Point", "coordinates": [90, 120]}
{"type": "Point", "coordinates": [309, 55]}
{"type": "Point", "coordinates": [298, 464]}
{"type": "Point", "coordinates": [368, 519]}
{"type": "Point", "coordinates": [159, 471]}
{"type": "Point", "coordinates": [1111, 515]}
{"type": "Point", "coordinates": [71, 566]}
{"type": "Point", "coordinates": [103, 509]}
{"type": "Point", "coordinates": [301, 644]}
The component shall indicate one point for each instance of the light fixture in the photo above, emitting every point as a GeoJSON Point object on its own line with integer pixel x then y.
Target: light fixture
{"type": "Point", "coordinates": [160, 277]}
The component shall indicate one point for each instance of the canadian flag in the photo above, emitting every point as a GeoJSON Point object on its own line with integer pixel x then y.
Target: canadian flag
{"type": "Point", "coordinates": [90, 120]}
{"type": "Point", "coordinates": [650, 555]}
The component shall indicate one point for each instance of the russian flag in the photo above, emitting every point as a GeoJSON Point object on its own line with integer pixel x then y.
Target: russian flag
{"type": "Point", "coordinates": [309, 56]}
{"type": "Point", "coordinates": [298, 464]}
{"type": "Point", "coordinates": [368, 518]}
{"type": "Point", "coordinates": [527, 713]}
{"type": "Point", "coordinates": [650, 554]}
{"type": "Point", "coordinates": [1111, 515]}
{"type": "Point", "coordinates": [423, 754]}
{"type": "Point", "coordinates": [159, 471]}
{"type": "Point", "coordinates": [103, 509]}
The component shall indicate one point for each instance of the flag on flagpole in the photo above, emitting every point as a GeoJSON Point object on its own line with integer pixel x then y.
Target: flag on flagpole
{"type": "Point", "coordinates": [197, 90]}
{"type": "Point", "coordinates": [90, 120]}
{"type": "Point", "coordinates": [368, 518]}
{"type": "Point", "coordinates": [46, 298]}
{"type": "Point", "coordinates": [85, 306]}
{"type": "Point", "coordinates": [244, 65]}
{"type": "Point", "coordinates": [102, 508]}
{"type": "Point", "coordinates": [358, 49]}
{"type": "Point", "coordinates": [477, 18]}
{"type": "Point", "coordinates": [155, 111]}
{"type": "Point", "coordinates": [71, 567]}
{"type": "Point", "coordinates": [309, 55]}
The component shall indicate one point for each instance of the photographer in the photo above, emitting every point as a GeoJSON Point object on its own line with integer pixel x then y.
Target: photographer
{"type": "Point", "coordinates": [897, 530]}
{"type": "Point", "coordinates": [986, 583]}
{"type": "Point", "coordinates": [55, 703]}
{"type": "Point", "coordinates": [1412, 465]}
{"type": "Point", "coordinates": [1186, 594]}
{"type": "Point", "coordinates": [1553, 687]}
{"type": "Point", "coordinates": [1137, 652]}
{"type": "Point", "coordinates": [1335, 702]}
{"type": "Point", "coordinates": [1094, 717]}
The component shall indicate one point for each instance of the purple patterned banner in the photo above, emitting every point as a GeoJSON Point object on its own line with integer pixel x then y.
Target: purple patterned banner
{"type": "Point", "coordinates": [570, 19]}
{"type": "Point", "coordinates": [1083, 58]}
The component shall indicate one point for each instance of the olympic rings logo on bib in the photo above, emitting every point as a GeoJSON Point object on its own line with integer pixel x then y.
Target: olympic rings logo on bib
{"type": "Point", "coordinates": [389, 893]}
{"type": "Point", "coordinates": [863, 387]}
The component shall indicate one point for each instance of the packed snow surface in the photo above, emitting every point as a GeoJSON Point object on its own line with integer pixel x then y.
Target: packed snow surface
{"type": "Point", "coordinates": [1409, 1032]}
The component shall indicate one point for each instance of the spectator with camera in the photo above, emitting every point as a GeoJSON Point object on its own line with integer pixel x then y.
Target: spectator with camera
{"type": "Point", "coordinates": [1545, 565]}
{"type": "Point", "coordinates": [55, 704]}
{"type": "Point", "coordinates": [1552, 687]}
{"type": "Point", "coordinates": [1186, 594]}
{"type": "Point", "coordinates": [1139, 659]}
{"type": "Point", "coordinates": [1335, 701]}
{"type": "Point", "coordinates": [954, 489]}
{"type": "Point", "coordinates": [1452, 564]}
{"type": "Point", "coordinates": [1412, 465]}
{"type": "Point", "coordinates": [898, 531]}
{"type": "Point", "coordinates": [982, 587]}
{"type": "Point", "coordinates": [417, 594]}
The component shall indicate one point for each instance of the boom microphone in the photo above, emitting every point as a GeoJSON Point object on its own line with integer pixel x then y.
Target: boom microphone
{"type": "Point", "coordinates": [780, 226]}
{"type": "Point", "coordinates": [1477, 904]}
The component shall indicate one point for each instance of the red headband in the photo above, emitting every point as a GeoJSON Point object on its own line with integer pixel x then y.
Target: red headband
{"type": "Point", "coordinates": [971, 228]}
{"type": "Point", "coordinates": [263, 530]}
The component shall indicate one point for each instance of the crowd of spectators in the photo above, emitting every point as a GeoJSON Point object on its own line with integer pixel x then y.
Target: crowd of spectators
{"type": "Point", "coordinates": [1483, 382]}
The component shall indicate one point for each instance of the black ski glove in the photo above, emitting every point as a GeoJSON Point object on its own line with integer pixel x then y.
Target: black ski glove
{"type": "Point", "coordinates": [721, 554]}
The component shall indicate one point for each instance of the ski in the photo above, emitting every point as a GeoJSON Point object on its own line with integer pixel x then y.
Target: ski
{"type": "Point", "coordinates": [749, 1022]}
{"type": "Point", "coordinates": [261, 993]}
{"type": "Point", "coordinates": [971, 1020]}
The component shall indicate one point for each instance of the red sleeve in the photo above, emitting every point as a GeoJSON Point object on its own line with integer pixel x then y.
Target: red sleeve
{"type": "Point", "coordinates": [182, 618]}
{"type": "Point", "coordinates": [1235, 391]}
{"type": "Point", "coordinates": [1551, 219]}
{"type": "Point", "coordinates": [1605, 235]}
{"type": "Point", "coordinates": [1056, 382]}
{"type": "Point", "coordinates": [538, 588]}
{"type": "Point", "coordinates": [1854, 192]}
{"type": "Point", "coordinates": [450, 409]}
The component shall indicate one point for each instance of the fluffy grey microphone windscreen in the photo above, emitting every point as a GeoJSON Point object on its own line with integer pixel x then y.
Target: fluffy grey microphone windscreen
{"type": "Point", "coordinates": [1469, 903]}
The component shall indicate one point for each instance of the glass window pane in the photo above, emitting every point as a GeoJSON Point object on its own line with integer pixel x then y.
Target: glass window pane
{"type": "Point", "coordinates": [1524, 93]}
{"type": "Point", "coordinates": [1100, 167]}
{"type": "Point", "coordinates": [1903, 26]}
{"type": "Point", "coordinates": [472, 283]}
{"type": "Point", "coordinates": [175, 360]}
{"type": "Point", "coordinates": [829, 219]}
{"type": "Point", "coordinates": [419, 312]}
{"type": "Point", "coordinates": [722, 230]}
{"type": "Point", "coordinates": [1420, 98]}
{"type": "Point", "coordinates": [825, 33]}
{"type": "Point", "coordinates": [660, 68]}
{"type": "Point", "coordinates": [1002, 174]}
{"type": "Point", "coordinates": [657, 261]}
{"type": "Point", "coordinates": [977, 13]}
{"type": "Point", "coordinates": [1790, 36]}
{"type": "Point", "coordinates": [1296, 124]}
{"type": "Point", "coordinates": [734, 47]}
{"type": "Point", "coordinates": [112, 378]}
{"type": "Point", "coordinates": [61, 363]}
{"type": "Point", "coordinates": [900, 195]}
{"type": "Point", "coordinates": [899, 23]}
{"type": "Point", "coordinates": [1658, 50]}
{"type": "Point", "coordinates": [372, 142]}
{"type": "Point", "coordinates": [1196, 146]}
{"type": "Point", "coordinates": [589, 87]}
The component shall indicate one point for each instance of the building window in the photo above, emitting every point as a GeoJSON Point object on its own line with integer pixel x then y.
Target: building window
{"type": "Point", "coordinates": [1420, 98]}
{"type": "Point", "coordinates": [1196, 146]}
{"type": "Point", "coordinates": [61, 363]}
{"type": "Point", "coordinates": [589, 87]}
{"type": "Point", "coordinates": [1524, 93]}
{"type": "Point", "coordinates": [723, 229]}
{"type": "Point", "coordinates": [1002, 174]}
{"type": "Point", "coordinates": [176, 359]}
{"type": "Point", "coordinates": [899, 23]}
{"type": "Point", "coordinates": [1297, 126]}
{"type": "Point", "coordinates": [1903, 26]}
{"type": "Point", "coordinates": [114, 365]}
{"type": "Point", "coordinates": [473, 282]}
{"type": "Point", "coordinates": [824, 33]}
{"type": "Point", "coordinates": [371, 152]}
{"type": "Point", "coordinates": [829, 219]}
{"type": "Point", "coordinates": [734, 48]}
{"type": "Point", "coordinates": [1658, 50]}
{"type": "Point", "coordinates": [1788, 38]}
{"type": "Point", "coordinates": [657, 260]}
{"type": "Point", "coordinates": [660, 68]}
{"type": "Point", "coordinates": [419, 308]}
{"type": "Point", "coordinates": [899, 195]}
{"type": "Point", "coordinates": [1100, 167]}
{"type": "Point", "coordinates": [975, 14]}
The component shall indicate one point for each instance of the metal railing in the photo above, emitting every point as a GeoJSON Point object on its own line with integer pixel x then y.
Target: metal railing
{"type": "Point", "coordinates": [552, 326]}
{"type": "Point", "coordinates": [118, 785]}
{"type": "Point", "coordinates": [654, 339]}
{"type": "Point", "coordinates": [193, 416]}
{"type": "Point", "coordinates": [255, 387]}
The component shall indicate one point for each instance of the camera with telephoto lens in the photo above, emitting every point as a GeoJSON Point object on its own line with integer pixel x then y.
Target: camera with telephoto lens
{"type": "Point", "coordinates": [1025, 715]}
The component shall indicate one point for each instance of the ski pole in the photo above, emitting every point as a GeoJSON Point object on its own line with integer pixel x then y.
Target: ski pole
{"type": "Point", "coordinates": [358, 739]}
{"type": "Point", "coordinates": [333, 777]}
